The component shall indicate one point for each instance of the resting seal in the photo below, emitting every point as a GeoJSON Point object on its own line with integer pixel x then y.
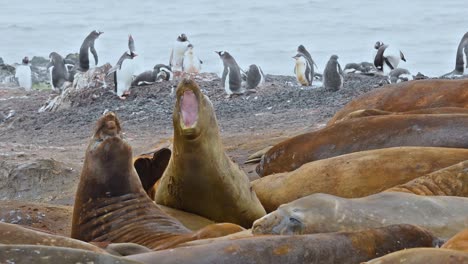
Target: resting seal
{"type": "Point", "coordinates": [111, 205]}
{"type": "Point", "coordinates": [352, 247]}
{"type": "Point", "coordinates": [409, 96]}
{"type": "Point", "coordinates": [356, 174]}
{"type": "Point", "coordinates": [322, 213]}
{"type": "Point", "coordinates": [200, 177]}
{"type": "Point", "coordinates": [422, 256]}
{"type": "Point", "coordinates": [458, 242]}
{"type": "Point", "coordinates": [450, 181]}
{"type": "Point", "coordinates": [373, 132]}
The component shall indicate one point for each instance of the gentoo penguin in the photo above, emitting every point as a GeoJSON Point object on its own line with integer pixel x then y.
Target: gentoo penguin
{"type": "Point", "coordinates": [363, 67]}
{"type": "Point", "coordinates": [333, 75]}
{"type": "Point", "coordinates": [303, 69]}
{"type": "Point", "coordinates": [23, 74]}
{"type": "Point", "coordinates": [123, 73]}
{"type": "Point", "coordinates": [232, 79]}
{"type": "Point", "coordinates": [387, 58]}
{"type": "Point", "coordinates": [88, 45]}
{"type": "Point", "coordinates": [399, 75]}
{"type": "Point", "coordinates": [58, 71]}
{"type": "Point", "coordinates": [460, 60]}
{"type": "Point", "coordinates": [254, 77]}
{"type": "Point", "coordinates": [302, 49]}
{"type": "Point", "coordinates": [163, 72]}
{"type": "Point", "coordinates": [177, 54]}
{"type": "Point", "coordinates": [145, 78]}
{"type": "Point", "coordinates": [191, 63]}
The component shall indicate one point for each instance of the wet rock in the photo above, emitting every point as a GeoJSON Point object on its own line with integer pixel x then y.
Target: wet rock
{"type": "Point", "coordinates": [73, 57]}
{"type": "Point", "coordinates": [39, 71]}
{"type": "Point", "coordinates": [7, 74]}
{"type": "Point", "coordinates": [1, 61]}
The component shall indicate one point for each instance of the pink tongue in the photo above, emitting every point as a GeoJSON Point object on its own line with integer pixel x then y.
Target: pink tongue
{"type": "Point", "coordinates": [189, 108]}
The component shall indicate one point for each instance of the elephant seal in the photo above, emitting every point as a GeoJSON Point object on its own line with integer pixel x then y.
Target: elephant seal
{"type": "Point", "coordinates": [15, 234]}
{"type": "Point", "coordinates": [46, 255]}
{"type": "Point", "coordinates": [409, 96]}
{"type": "Point", "coordinates": [374, 132]}
{"type": "Point", "coordinates": [458, 242]}
{"type": "Point", "coordinates": [111, 205]}
{"type": "Point", "coordinates": [200, 177]}
{"type": "Point", "coordinates": [322, 213]}
{"type": "Point", "coordinates": [450, 181]}
{"type": "Point", "coordinates": [345, 247]}
{"type": "Point", "coordinates": [423, 256]}
{"type": "Point", "coordinates": [356, 174]}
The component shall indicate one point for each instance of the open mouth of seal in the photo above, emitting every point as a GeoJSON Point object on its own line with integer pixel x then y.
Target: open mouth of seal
{"type": "Point", "coordinates": [188, 109]}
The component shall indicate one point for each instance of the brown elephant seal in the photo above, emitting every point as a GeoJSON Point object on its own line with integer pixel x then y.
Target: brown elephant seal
{"type": "Point", "coordinates": [322, 213]}
{"type": "Point", "coordinates": [15, 234]}
{"type": "Point", "coordinates": [150, 168]}
{"type": "Point", "coordinates": [356, 174]}
{"type": "Point", "coordinates": [409, 96]}
{"type": "Point", "coordinates": [47, 254]}
{"type": "Point", "coordinates": [200, 177]}
{"type": "Point", "coordinates": [458, 242]}
{"type": "Point", "coordinates": [111, 205]}
{"type": "Point", "coordinates": [374, 132]}
{"type": "Point", "coordinates": [343, 248]}
{"type": "Point", "coordinates": [450, 181]}
{"type": "Point", "coordinates": [423, 256]}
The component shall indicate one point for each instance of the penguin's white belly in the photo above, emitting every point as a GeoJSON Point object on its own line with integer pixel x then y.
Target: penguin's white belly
{"type": "Point", "coordinates": [227, 88]}
{"type": "Point", "coordinates": [178, 55]}
{"type": "Point", "coordinates": [262, 78]}
{"type": "Point", "coordinates": [300, 73]}
{"type": "Point", "coordinates": [125, 77]}
{"type": "Point", "coordinates": [191, 64]}
{"type": "Point", "coordinates": [23, 74]}
{"type": "Point", "coordinates": [51, 79]}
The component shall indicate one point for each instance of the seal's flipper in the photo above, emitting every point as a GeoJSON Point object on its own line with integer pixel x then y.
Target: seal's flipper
{"type": "Point", "coordinates": [150, 168]}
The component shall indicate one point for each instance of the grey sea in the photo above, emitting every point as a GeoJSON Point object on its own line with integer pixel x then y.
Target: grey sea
{"type": "Point", "coordinates": [254, 32]}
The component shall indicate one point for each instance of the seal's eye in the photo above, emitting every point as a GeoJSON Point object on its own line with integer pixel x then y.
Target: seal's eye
{"type": "Point", "coordinates": [294, 221]}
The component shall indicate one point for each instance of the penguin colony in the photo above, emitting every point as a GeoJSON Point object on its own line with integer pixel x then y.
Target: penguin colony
{"type": "Point", "coordinates": [184, 61]}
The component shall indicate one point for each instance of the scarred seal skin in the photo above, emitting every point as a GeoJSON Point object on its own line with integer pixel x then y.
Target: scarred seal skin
{"type": "Point", "coordinates": [423, 256]}
{"type": "Point", "coordinates": [356, 174]}
{"type": "Point", "coordinates": [111, 205]}
{"type": "Point", "coordinates": [200, 177]}
{"type": "Point", "coordinates": [352, 247]}
{"type": "Point", "coordinates": [458, 242]}
{"type": "Point", "coordinates": [321, 213]}
{"type": "Point", "coordinates": [407, 96]}
{"type": "Point", "coordinates": [373, 132]}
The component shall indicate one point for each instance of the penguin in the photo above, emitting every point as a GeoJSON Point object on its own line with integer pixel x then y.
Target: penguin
{"type": "Point", "coordinates": [123, 73]}
{"type": "Point", "coordinates": [367, 67]}
{"type": "Point", "coordinates": [88, 45]}
{"type": "Point", "coordinates": [58, 71]}
{"type": "Point", "coordinates": [303, 70]}
{"type": "Point", "coordinates": [353, 68]}
{"type": "Point", "coordinates": [387, 58]}
{"type": "Point", "coordinates": [163, 72]}
{"type": "Point", "coordinates": [254, 77]}
{"type": "Point", "coordinates": [333, 75]}
{"type": "Point", "coordinates": [302, 49]}
{"type": "Point", "coordinates": [23, 74]}
{"type": "Point", "coordinates": [191, 63]}
{"type": "Point", "coordinates": [177, 54]}
{"type": "Point", "coordinates": [460, 60]}
{"type": "Point", "coordinates": [231, 78]}
{"type": "Point", "coordinates": [399, 75]}
{"type": "Point", "coordinates": [145, 78]}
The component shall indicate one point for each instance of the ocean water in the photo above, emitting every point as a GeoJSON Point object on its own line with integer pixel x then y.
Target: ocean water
{"type": "Point", "coordinates": [266, 33]}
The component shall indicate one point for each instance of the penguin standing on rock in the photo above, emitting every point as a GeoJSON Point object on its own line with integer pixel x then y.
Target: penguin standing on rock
{"type": "Point", "coordinates": [191, 63]}
{"type": "Point", "coordinates": [460, 60]}
{"type": "Point", "coordinates": [86, 47]}
{"type": "Point", "coordinates": [123, 73]}
{"type": "Point", "coordinates": [303, 69]}
{"type": "Point", "coordinates": [232, 79]}
{"type": "Point", "coordinates": [58, 71]}
{"type": "Point", "coordinates": [333, 75]}
{"type": "Point", "coordinates": [23, 74]}
{"type": "Point", "coordinates": [177, 54]}
{"type": "Point", "coordinates": [387, 59]}
{"type": "Point", "coordinates": [254, 77]}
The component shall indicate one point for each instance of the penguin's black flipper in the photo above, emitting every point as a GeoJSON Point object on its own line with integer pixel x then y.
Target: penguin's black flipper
{"type": "Point", "coordinates": [131, 44]}
{"type": "Point", "coordinates": [93, 50]}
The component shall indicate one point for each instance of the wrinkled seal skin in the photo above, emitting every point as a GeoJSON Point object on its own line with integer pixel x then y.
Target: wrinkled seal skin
{"type": "Point", "coordinates": [46, 255]}
{"type": "Point", "coordinates": [111, 205]}
{"type": "Point", "coordinates": [450, 181]}
{"type": "Point", "coordinates": [409, 96]}
{"type": "Point", "coordinates": [321, 213]}
{"type": "Point", "coordinates": [356, 174]}
{"type": "Point", "coordinates": [200, 177]}
{"type": "Point", "coordinates": [458, 242]}
{"type": "Point", "coordinates": [374, 132]}
{"type": "Point", "coordinates": [15, 234]}
{"type": "Point", "coordinates": [423, 256]}
{"type": "Point", "coordinates": [343, 248]}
